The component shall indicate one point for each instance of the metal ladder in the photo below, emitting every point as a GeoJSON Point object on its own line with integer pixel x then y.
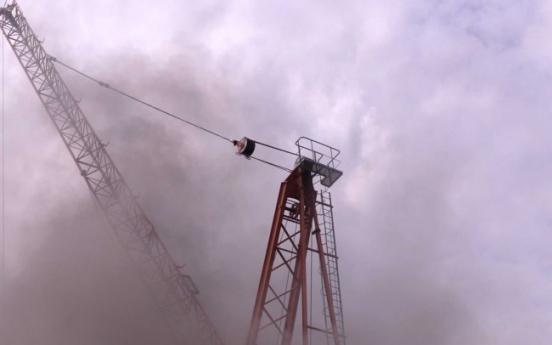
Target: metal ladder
{"type": "Point", "coordinates": [325, 212]}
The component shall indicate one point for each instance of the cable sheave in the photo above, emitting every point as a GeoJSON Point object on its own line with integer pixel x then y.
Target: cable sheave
{"type": "Point", "coordinates": [107, 86]}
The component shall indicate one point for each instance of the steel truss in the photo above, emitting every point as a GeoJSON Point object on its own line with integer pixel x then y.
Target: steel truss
{"type": "Point", "coordinates": [169, 287]}
{"type": "Point", "coordinates": [277, 304]}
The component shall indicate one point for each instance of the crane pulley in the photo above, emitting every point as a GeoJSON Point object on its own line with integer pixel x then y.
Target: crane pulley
{"type": "Point", "coordinates": [245, 146]}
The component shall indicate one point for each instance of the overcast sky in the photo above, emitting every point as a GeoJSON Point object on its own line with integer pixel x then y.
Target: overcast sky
{"type": "Point", "coordinates": [441, 110]}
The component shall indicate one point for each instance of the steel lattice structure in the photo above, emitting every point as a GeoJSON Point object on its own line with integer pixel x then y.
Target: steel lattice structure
{"type": "Point", "coordinates": [284, 288]}
{"type": "Point", "coordinates": [173, 292]}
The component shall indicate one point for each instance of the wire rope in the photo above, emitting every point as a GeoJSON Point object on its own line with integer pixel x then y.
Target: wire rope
{"type": "Point", "coordinates": [277, 148]}
{"type": "Point", "coordinates": [271, 164]}
{"type": "Point", "coordinates": [136, 99]}
{"type": "Point", "coordinates": [107, 86]}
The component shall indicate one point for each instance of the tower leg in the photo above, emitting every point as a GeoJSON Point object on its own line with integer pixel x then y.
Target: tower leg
{"type": "Point", "coordinates": [283, 281]}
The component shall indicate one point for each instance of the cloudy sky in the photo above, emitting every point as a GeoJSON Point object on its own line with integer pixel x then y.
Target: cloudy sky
{"type": "Point", "coordinates": [441, 110]}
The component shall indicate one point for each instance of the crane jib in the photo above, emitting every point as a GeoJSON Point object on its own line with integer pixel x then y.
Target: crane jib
{"type": "Point", "coordinates": [174, 294]}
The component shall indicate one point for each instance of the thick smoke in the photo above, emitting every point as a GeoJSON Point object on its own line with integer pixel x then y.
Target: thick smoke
{"type": "Point", "coordinates": [197, 200]}
{"type": "Point", "coordinates": [77, 287]}
{"type": "Point", "coordinates": [442, 115]}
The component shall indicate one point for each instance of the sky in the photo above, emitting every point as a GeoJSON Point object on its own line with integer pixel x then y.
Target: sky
{"type": "Point", "coordinates": [441, 110]}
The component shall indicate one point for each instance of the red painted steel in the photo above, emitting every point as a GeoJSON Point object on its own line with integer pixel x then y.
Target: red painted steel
{"type": "Point", "coordinates": [277, 301]}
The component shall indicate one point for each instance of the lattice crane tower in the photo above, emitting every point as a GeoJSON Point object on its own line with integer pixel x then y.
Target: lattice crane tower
{"type": "Point", "coordinates": [286, 278]}
{"type": "Point", "coordinates": [173, 291]}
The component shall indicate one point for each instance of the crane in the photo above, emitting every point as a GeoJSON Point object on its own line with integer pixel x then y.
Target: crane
{"type": "Point", "coordinates": [174, 292]}
{"type": "Point", "coordinates": [301, 213]}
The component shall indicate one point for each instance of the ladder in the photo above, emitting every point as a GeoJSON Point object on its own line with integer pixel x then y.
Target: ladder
{"type": "Point", "coordinates": [325, 212]}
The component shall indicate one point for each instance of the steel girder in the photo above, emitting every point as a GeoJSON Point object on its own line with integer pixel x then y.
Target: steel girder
{"type": "Point", "coordinates": [283, 282]}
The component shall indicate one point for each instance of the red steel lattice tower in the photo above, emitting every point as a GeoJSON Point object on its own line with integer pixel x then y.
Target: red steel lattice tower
{"type": "Point", "coordinates": [174, 292]}
{"type": "Point", "coordinates": [302, 225]}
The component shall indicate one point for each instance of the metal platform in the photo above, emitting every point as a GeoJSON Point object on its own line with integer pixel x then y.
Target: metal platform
{"type": "Point", "coordinates": [320, 159]}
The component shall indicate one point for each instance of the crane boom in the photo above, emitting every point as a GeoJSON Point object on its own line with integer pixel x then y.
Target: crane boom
{"type": "Point", "coordinates": [173, 292]}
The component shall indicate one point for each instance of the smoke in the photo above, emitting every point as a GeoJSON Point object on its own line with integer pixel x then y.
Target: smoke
{"type": "Point", "coordinates": [440, 112]}
{"type": "Point", "coordinates": [78, 287]}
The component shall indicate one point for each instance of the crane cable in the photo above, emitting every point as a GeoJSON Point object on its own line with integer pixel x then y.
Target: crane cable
{"type": "Point", "coordinates": [272, 164]}
{"type": "Point", "coordinates": [107, 86]}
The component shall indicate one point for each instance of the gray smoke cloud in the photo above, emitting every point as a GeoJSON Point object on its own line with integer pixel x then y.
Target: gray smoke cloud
{"type": "Point", "coordinates": [441, 111]}
{"type": "Point", "coordinates": [78, 288]}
